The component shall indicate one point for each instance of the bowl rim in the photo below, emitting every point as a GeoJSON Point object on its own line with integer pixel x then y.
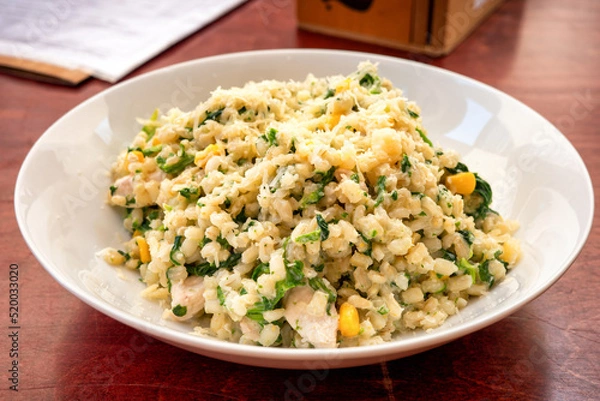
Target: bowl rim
{"type": "Point", "coordinates": [385, 350]}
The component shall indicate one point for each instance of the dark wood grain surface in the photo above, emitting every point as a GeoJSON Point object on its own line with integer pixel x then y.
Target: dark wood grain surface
{"type": "Point", "coordinates": [545, 53]}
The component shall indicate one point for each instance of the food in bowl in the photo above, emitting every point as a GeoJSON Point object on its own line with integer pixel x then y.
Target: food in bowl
{"type": "Point", "coordinates": [306, 214]}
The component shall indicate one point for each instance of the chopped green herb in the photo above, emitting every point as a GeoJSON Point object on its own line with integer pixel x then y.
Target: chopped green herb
{"type": "Point", "coordinates": [185, 159]}
{"type": "Point", "coordinates": [294, 278]}
{"type": "Point", "coordinates": [460, 168]}
{"type": "Point", "coordinates": [380, 189]}
{"type": "Point", "coordinates": [395, 195]}
{"type": "Point", "coordinates": [212, 115]}
{"type": "Point", "coordinates": [322, 179]}
{"type": "Point", "coordinates": [190, 192]}
{"type": "Point", "coordinates": [179, 310]}
{"type": "Point", "coordinates": [412, 113]}
{"type": "Point", "coordinates": [242, 110]}
{"type": "Point", "coordinates": [125, 255]}
{"type": "Point", "coordinates": [422, 213]}
{"type": "Point", "coordinates": [241, 162]}
{"type": "Point", "coordinates": [112, 190]}
{"type": "Point", "coordinates": [319, 268]}
{"type": "Point", "coordinates": [497, 257]}
{"type": "Point", "coordinates": [448, 255]}
{"type": "Point", "coordinates": [468, 268]}
{"type": "Point", "coordinates": [383, 310]}
{"type": "Point", "coordinates": [175, 249]}
{"type": "Point", "coordinates": [369, 244]}
{"type": "Point", "coordinates": [151, 151]}
{"type": "Point", "coordinates": [208, 269]}
{"type": "Point", "coordinates": [241, 217]}
{"type": "Point", "coordinates": [468, 236]}
{"type": "Point", "coordinates": [367, 81]}
{"type": "Point", "coordinates": [484, 273]}
{"type": "Point", "coordinates": [354, 177]}
{"type": "Point", "coordinates": [262, 268]}
{"type": "Point", "coordinates": [406, 165]}
{"type": "Point", "coordinates": [317, 283]}
{"type": "Point", "coordinates": [223, 242]}
{"type": "Point", "coordinates": [130, 201]}
{"type": "Point", "coordinates": [312, 236]}
{"type": "Point", "coordinates": [220, 296]}
{"type": "Point", "coordinates": [149, 129]}
{"type": "Point", "coordinates": [484, 191]}
{"type": "Point", "coordinates": [256, 312]}
{"type": "Point", "coordinates": [330, 92]}
{"type": "Point", "coordinates": [271, 137]}
{"type": "Point", "coordinates": [424, 137]}
{"type": "Point", "coordinates": [169, 284]}
{"type": "Point", "coordinates": [323, 226]}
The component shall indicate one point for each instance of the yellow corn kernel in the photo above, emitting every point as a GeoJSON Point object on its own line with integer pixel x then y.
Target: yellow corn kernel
{"type": "Point", "coordinates": [333, 120]}
{"type": "Point", "coordinates": [349, 324]}
{"type": "Point", "coordinates": [155, 141]}
{"type": "Point", "coordinates": [137, 233]}
{"type": "Point", "coordinates": [510, 251]}
{"type": "Point", "coordinates": [461, 183]}
{"type": "Point", "coordinates": [139, 156]}
{"type": "Point", "coordinates": [342, 86]}
{"type": "Point", "coordinates": [144, 249]}
{"type": "Point", "coordinates": [202, 157]}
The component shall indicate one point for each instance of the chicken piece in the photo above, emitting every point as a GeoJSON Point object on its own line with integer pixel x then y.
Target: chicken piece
{"type": "Point", "coordinates": [124, 186]}
{"type": "Point", "coordinates": [320, 330]}
{"type": "Point", "coordinates": [189, 294]}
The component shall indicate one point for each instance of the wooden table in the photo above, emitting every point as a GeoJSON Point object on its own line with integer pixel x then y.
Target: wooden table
{"type": "Point", "coordinates": [545, 53]}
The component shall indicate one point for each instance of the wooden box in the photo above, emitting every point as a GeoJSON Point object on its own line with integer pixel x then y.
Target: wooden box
{"type": "Point", "coordinates": [433, 27]}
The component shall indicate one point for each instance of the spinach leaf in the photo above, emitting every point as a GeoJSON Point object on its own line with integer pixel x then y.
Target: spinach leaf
{"type": "Point", "coordinates": [322, 179]}
{"type": "Point", "coordinates": [271, 137]}
{"type": "Point", "coordinates": [406, 165]}
{"type": "Point", "coordinates": [323, 226]}
{"type": "Point", "coordinates": [212, 115]}
{"type": "Point", "coordinates": [185, 159]}
{"type": "Point", "coordinates": [308, 237]}
{"type": "Point", "coordinates": [179, 310]}
{"type": "Point", "coordinates": [262, 268]}
{"type": "Point", "coordinates": [468, 236]}
{"type": "Point", "coordinates": [317, 283]}
{"type": "Point", "coordinates": [176, 245]}
{"type": "Point", "coordinates": [189, 193]}
{"type": "Point", "coordinates": [150, 129]}
{"type": "Point", "coordinates": [412, 113]}
{"type": "Point", "coordinates": [208, 269]}
{"type": "Point", "coordinates": [484, 273]}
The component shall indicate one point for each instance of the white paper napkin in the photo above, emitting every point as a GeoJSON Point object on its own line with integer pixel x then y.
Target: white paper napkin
{"type": "Point", "coordinates": [108, 39]}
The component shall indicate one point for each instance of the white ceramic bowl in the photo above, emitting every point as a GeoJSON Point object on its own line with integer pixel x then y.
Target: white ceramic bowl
{"type": "Point", "coordinates": [534, 172]}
